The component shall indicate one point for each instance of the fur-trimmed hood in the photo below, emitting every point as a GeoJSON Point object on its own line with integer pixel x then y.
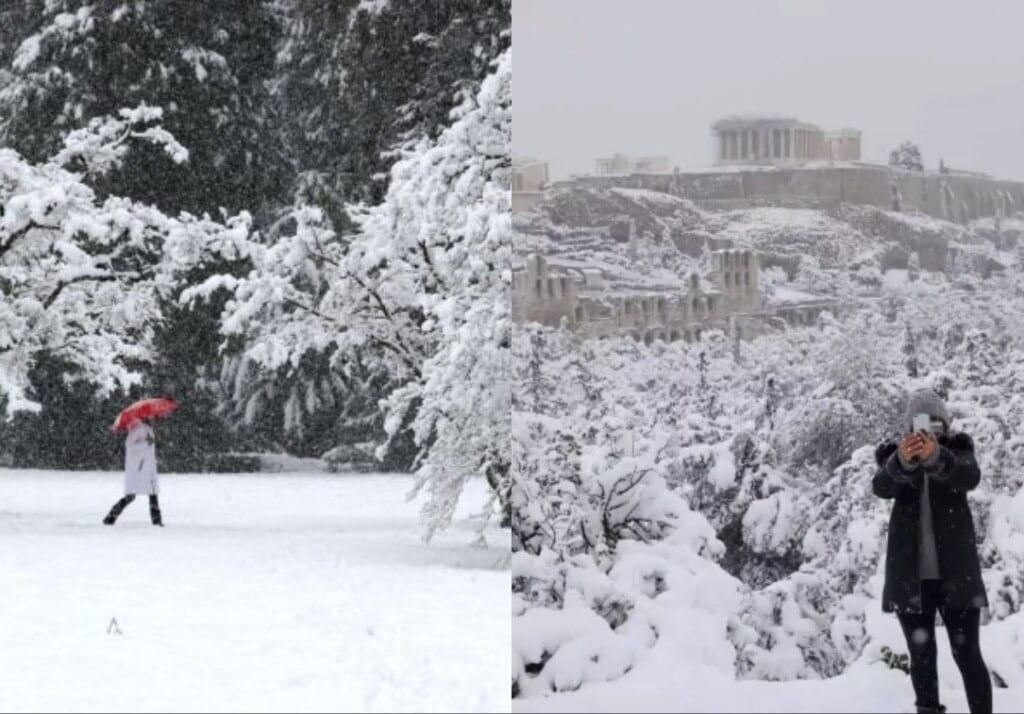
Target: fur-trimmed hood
{"type": "Point", "coordinates": [957, 440]}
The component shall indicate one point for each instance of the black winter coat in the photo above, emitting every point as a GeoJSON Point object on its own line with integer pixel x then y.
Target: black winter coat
{"type": "Point", "coordinates": [955, 473]}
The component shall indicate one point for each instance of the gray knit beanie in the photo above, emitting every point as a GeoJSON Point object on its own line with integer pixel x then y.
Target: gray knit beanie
{"type": "Point", "coordinates": [926, 401]}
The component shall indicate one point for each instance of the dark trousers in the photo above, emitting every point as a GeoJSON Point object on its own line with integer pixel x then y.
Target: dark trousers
{"type": "Point", "coordinates": [118, 509]}
{"type": "Point", "coordinates": [962, 628]}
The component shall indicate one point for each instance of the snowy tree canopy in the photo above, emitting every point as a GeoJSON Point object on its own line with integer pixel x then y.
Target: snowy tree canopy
{"type": "Point", "coordinates": [908, 156]}
{"type": "Point", "coordinates": [424, 283]}
{"type": "Point", "coordinates": [74, 62]}
{"type": "Point", "coordinates": [279, 106]}
{"type": "Point", "coordinates": [357, 78]}
{"type": "Point", "coordinates": [81, 277]}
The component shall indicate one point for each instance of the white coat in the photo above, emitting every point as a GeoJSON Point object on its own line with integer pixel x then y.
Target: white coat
{"type": "Point", "coordinates": [140, 460]}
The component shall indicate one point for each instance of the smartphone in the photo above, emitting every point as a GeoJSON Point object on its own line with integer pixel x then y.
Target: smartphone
{"type": "Point", "coordinates": [922, 421]}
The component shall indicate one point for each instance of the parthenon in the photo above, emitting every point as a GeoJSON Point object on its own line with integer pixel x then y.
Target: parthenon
{"type": "Point", "coordinates": [780, 140]}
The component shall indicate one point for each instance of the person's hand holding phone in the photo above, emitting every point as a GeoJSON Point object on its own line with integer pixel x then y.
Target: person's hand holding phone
{"type": "Point", "coordinates": [912, 446]}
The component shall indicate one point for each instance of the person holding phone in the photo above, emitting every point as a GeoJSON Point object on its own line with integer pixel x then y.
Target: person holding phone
{"type": "Point", "coordinates": [931, 560]}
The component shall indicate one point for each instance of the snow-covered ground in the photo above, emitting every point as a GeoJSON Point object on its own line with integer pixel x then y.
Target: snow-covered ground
{"type": "Point", "coordinates": [285, 592]}
{"type": "Point", "coordinates": [667, 680]}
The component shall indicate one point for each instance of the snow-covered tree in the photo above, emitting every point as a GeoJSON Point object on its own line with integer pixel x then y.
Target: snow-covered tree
{"type": "Point", "coordinates": [423, 283]}
{"type": "Point", "coordinates": [908, 156]}
{"type": "Point", "coordinates": [355, 79]}
{"type": "Point", "coordinates": [205, 64]}
{"type": "Point", "coordinates": [81, 277]}
{"type": "Point", "coordinates": [440, 245]}
{"type": "Point", "coordinates": [600, 541]}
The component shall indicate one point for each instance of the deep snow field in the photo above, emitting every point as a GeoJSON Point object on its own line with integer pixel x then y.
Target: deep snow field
{"type": "Point", "coordinates": [689, 670]}
{"type": "Point", "coordinates": [283, 592]}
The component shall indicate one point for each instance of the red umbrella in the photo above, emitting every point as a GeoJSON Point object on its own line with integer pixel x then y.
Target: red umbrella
{"type": "Point", "coordinates": [143, 409]}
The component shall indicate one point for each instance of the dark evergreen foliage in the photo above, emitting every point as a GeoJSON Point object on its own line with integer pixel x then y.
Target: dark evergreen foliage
{"type": "Point", "coordinates": [278, 102]}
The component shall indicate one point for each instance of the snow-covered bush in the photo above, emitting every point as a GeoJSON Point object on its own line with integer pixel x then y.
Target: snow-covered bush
{"type": "Point", "coordinates": [605, 553]}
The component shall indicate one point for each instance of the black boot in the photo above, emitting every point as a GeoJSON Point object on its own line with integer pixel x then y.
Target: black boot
{"type": "Point", "coordinates": [154, 511]}
{"type": "Point", "coordinates": [940, 709]}
{"type": "Point", "coordinates": [118, 509]}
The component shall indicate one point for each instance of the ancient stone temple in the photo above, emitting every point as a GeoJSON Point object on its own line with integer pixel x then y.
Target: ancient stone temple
{"type": "Point", "coordinates": [780, 141]}
{"type": "Point", "coordinates": [843, 145]}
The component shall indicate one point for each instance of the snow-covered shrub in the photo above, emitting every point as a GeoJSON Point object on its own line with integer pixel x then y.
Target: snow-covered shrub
{"type": "Point", "coordinates": [606, 555]}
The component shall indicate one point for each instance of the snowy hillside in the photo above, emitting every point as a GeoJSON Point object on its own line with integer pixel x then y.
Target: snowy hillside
{"type": "Point", "coordinates": [263, 593]}
{"type": "Point", "coordinates": [686, 519]}
{"type": "Point", "coordinates": [589, 227]}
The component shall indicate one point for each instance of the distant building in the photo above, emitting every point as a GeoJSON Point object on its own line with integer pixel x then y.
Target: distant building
{"type": "Point", "coordinates": [779, 141]}
{"type": "Point", "coordinates": [622, 165]}
{"type": "Point", "coordinates": [843, 145]}
{"type": "Point", "coordinates": [529, 174]}
{"type": "Point", "coordinates": [529, 180]}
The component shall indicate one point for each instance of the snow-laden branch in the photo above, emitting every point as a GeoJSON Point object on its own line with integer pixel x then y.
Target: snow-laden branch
{"type": "Point", "coordinates": [102, 144]}
{"type": "Point", "coordinates": [82, 278]}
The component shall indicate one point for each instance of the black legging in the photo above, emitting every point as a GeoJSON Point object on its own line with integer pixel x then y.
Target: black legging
{"type": "Point", "coordinates": [154, 509]}
{"type": "Point", "coordinates": [962, 628]}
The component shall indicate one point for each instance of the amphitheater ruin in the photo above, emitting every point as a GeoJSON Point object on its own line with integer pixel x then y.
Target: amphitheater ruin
{"type": "Point", "coordinates": [555, 294]}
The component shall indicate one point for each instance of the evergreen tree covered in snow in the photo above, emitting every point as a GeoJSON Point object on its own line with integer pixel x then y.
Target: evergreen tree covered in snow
{"type": "Point", "coordinates": [358, 79]}
{"type": "Point", "coordinates": [907, 156]}
{"type": "Point", "coordinates": [423, 285]}
{"type": "Point", "coordinates": [276, 104]}
{"type": "Point", "coordinates": [205, 64]}
{"type": "Point", "coordinates": [352, 82]}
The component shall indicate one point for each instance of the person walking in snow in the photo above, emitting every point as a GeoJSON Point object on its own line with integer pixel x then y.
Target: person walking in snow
{"type": "Point", "coordinates": [931, 560]}
{"type": "Point", "coordinates": [139, 472]}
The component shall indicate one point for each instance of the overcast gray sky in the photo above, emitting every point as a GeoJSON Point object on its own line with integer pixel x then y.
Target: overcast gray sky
{"type": "Point", "coordinates": [595, 77]}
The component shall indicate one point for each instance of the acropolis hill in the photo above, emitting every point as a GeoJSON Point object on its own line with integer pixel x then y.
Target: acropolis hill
{"type": "Point", "coordinates": [620, 253]}
{"type": "Point", "coordinates": [779, 161]}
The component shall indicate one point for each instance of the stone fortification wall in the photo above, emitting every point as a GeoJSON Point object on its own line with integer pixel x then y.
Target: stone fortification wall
{"type": "Point", "coordinates": [954, 197]}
